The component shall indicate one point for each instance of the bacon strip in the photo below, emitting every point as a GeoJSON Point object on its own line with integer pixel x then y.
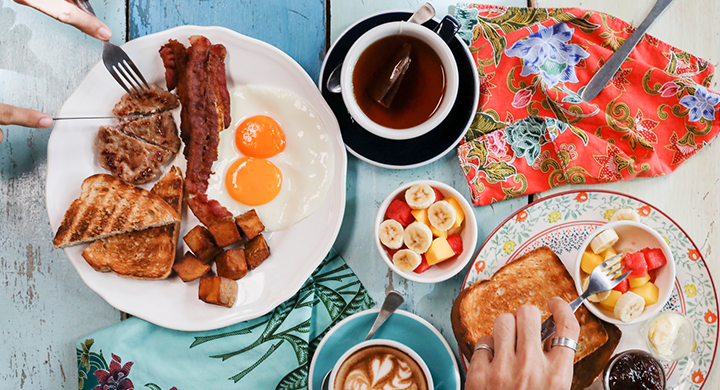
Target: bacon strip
{"type": "Point", "coordinates": [199, 75]}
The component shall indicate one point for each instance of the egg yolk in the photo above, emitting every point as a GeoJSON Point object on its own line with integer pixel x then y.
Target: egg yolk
{"type": "Point", "coordinates": [259, 136]}
{"type": "Point", "coordinates": [253, 181]}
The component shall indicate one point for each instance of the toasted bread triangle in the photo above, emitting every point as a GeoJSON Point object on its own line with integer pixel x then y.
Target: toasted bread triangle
{"type": "Point", "coordinates": [532, 278]}
{"type": "Point", "coordinates": [108, 206]}
{"type": "Point", "coordinates": [147, 254]}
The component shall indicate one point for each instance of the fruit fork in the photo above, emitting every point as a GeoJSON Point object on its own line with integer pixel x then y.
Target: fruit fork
{"type": "Point", "coordinates": [117, 62]}
{"type": "Point", "coordinates": [603, 278]}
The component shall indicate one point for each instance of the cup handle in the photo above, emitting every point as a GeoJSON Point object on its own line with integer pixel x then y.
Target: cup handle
{"type": "Point", "coordinates": [447, 28]}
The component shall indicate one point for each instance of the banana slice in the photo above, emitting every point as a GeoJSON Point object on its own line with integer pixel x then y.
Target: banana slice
{"type": "Point", "coordinates": [595, 297]}
{"type": "Point", "coordinates": [629, 307]}
{"type": "Point", "coordinates": [417, 237]}
{"type": "Point", "coordinates": [391, 234]}
{"type": "Point", "coordinates": [604, 240]}
{"type": "Point", "coordinates": [442, 215]}
{"type": "Point", "coordinates": [626, 214]}
{"type": "Point", "coordinates": [420, 196]}
{"type": "Point", "coordinates": [406, 260]}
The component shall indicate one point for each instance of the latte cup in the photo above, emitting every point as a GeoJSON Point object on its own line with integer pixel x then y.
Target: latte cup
{"type": "Point", "coordinates": [387, 363]}
{"type": "Point", "coordinates": [413, 30]}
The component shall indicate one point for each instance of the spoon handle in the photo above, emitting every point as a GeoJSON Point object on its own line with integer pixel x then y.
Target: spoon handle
{"type": "Point", "coordinates": [392, 302]}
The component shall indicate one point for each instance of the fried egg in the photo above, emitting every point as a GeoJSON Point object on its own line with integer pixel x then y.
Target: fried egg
{"type": "Point", "coordinates": [276, 158]}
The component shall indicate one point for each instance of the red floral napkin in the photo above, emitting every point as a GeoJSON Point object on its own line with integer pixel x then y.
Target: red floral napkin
{"type": "Point", "coordinates": [532, 131]}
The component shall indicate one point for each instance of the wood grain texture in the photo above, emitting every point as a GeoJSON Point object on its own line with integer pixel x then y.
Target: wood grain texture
{"type": "Point", "coordinates": [691, 194]}
{"type": "Point", "coordinates": [44, 305]}
{"type": "Point", "coordinates": [296, 27]}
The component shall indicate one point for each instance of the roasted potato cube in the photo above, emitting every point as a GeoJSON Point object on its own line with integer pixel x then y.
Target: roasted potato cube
{"type": "Point", "coordinates": [256, 251]}
{"type": "Point", "coordinates": [231, 264]}
{"type": "Point", "coordinates": [225, 232]}
{"type": "Point", "coordinates": [190, 267]}
{"type": "Point", "coordinates": [202, 243]}
{"type": "Point", "coordinates": [218, 290]}
{"type": "Point", "coordinates": [250, 224]}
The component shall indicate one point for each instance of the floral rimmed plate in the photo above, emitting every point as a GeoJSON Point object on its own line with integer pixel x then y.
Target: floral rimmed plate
{"type": "Point", "coordinates": [564, 220]}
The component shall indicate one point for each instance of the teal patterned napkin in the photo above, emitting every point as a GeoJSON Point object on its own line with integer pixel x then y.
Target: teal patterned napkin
{"type": "Point", "coordinates": [270, 352]}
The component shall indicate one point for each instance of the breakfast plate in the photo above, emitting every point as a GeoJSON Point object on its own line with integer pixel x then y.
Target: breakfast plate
{"type": "Point", "coordinates": [170, 303]}
{"type": "Point", "coordinates": [402, 326]}
{"type": "Point", "coordinates": [564, 220]}
{"type": "Point", "coordinates": [410, 153]}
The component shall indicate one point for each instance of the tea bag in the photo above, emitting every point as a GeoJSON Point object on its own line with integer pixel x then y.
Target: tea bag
{"type": "Point", "coordinates": [385, 85]}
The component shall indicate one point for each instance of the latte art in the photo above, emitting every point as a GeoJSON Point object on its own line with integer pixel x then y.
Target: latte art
{"type": "Point", "coordinates": [380, 368]}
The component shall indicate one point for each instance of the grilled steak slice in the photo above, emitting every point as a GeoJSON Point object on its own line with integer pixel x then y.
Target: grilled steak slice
{"type": "Point", "coordinates": [157, 100]}
{"type": "Point", "coordinates": [129, 158]}
{"type": "Point", "coordinates": [159, 129]}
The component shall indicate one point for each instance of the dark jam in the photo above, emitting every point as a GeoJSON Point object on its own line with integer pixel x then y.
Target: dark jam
{"type": "Point", "coordinates": [636, 370]}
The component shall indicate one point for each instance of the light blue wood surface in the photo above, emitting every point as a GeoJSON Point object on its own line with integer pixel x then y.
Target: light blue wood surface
{"type": "Point", "coordinates": [44, 306]}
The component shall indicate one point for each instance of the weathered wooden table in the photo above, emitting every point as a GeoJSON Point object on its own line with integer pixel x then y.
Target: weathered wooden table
{"type": "Point", "coordinates": [45, 307]}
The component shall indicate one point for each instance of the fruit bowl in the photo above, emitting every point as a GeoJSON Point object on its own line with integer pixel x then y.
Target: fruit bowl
{"type": "Point", "coordinates": [467, 232]}
{"type": "Point", "coordinates": [633, 236]}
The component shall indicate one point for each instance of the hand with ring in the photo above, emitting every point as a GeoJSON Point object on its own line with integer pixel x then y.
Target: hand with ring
{"type": "Point", "coordinates": [513, 357]}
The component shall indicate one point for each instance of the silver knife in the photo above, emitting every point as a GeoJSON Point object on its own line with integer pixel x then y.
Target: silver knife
{"type": "Point", "coordinates": [603, 76]}
{"type": "Point", "coordinates": [102, 117]}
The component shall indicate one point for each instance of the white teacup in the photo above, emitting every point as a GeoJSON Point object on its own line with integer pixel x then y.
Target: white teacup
{"type": "Point", "coordinates": [388, 368]}
{"type": "Point", "coordinates": [436, 44]}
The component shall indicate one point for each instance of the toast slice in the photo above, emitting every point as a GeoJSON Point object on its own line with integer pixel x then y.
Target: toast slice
{"type": "Point", "coordinates": [108, 206]}
{"type": "Point", "coordinates": [146, 254]}
{"type": "Point", "coordinates": [586, 370]}
{"type": "Point", "coordinates": [533, 278]}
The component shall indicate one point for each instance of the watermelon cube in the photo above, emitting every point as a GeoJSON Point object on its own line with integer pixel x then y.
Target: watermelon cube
{"type": "Point", "coordinates": [456, 243]}
{"type": "Point", "coordinates": [654, 257]}
{"type": "Point", "coordinates": [438, 195]}
{"type": "Point", "coordinates": [424, 266]}
{"type": "Point", "coordinates": [623, 286]}
{"type": "Point", "coordinates": [400, 211]}
{"type": "Point", "coordinates": [637, 263]}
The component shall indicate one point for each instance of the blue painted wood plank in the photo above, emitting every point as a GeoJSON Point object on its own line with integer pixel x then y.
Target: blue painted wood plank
{"type": "Point", "coordinates": [44, 305]}
{"type": "Point", "coordinates": [296, 27]}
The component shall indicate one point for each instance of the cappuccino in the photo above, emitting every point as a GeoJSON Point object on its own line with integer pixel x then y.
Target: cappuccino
{"type": "Point", "coordinates": [380, 367]}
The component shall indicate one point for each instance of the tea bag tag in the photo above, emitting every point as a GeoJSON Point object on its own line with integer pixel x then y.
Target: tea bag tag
{"type": "Point", "coordinates": [384, 86]}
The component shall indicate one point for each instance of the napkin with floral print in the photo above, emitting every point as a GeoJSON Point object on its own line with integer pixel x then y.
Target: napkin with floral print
{"type": "Point", "coordinates": [270, 352]}
{"type": "Point", "coordinates": [532, 131]}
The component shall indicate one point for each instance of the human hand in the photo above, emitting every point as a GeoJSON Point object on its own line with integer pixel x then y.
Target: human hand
{"type": "Point", "coordinates": [519, 362]}
{"type": "Point", "coordinates": [10, 115]}
{"type": "Point", "coordinates": [69, 13]}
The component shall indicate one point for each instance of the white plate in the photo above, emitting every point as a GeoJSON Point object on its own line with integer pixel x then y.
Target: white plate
{"type": "Point", "coordinates": [296, 252]}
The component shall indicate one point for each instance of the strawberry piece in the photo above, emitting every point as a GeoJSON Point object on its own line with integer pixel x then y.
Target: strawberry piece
{"type": "Point", "coordinates": [654, 257]}
{"type": "Point", "coordinates": [623, 286]}
{"type": "Point", "coordinates": [456, 243]}
{"type": "Point", "coordinates": [636, 262]}
{"type": "Point", "coordinates": [423, 266]}
{"type": "Point", "coordinates": [438, 195]}
{"type": "Point", "coordinates": [399, 211]}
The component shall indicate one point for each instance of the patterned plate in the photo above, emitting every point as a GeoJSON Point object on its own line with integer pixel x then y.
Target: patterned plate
{"type": "Point", "coordinates": [564, 220]}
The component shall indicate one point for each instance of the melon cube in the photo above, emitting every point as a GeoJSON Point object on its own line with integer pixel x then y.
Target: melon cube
{"type": "Point", "coordinates": [589, 261]}
{"type": "Point", "coordinates": [609, 302]}
{"type": "Point", "coordinates": [439, 251]}
{"type": "Point", "coordinates": [459, 213]}
{"type": "Point", "coordinates": [637, 282]}
{"type": "Point", "coordinates": [608, 253]}
{"type": "Point", "coordinates": [649, 291]}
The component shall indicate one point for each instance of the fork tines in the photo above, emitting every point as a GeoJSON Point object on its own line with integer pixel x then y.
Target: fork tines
{"type": "Point", "coordinates": [129, 77]}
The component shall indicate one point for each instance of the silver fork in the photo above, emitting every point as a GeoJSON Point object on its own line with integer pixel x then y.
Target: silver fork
{"type": "Point", "coordinates": [603, 278]}
{"type": "Point", "coordinates": [117, 62]}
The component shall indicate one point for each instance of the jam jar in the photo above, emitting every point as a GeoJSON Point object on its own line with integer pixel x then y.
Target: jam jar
{"type": "Point", "coordinates": [634, 370]}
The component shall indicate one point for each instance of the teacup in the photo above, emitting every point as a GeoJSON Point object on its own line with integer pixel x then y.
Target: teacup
{"type": "Point", "coordinates": [386, 364]}
{"type": "Point", "coordinates": [418, 92]}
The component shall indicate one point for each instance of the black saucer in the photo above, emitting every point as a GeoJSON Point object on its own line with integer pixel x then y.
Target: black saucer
{"type": "Point", "coordinates": [413, 152]}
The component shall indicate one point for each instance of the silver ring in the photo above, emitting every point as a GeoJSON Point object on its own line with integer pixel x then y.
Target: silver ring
{"type": "Point", "coordinates": [485, 347]}
{"type": "Point", "coordinates": [564, 342]}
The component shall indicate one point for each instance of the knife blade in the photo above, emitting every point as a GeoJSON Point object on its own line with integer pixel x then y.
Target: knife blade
{"type": "Point", "coordinates": [605, 74]}
{"type": "Point", "coordinates": [101, 117]}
